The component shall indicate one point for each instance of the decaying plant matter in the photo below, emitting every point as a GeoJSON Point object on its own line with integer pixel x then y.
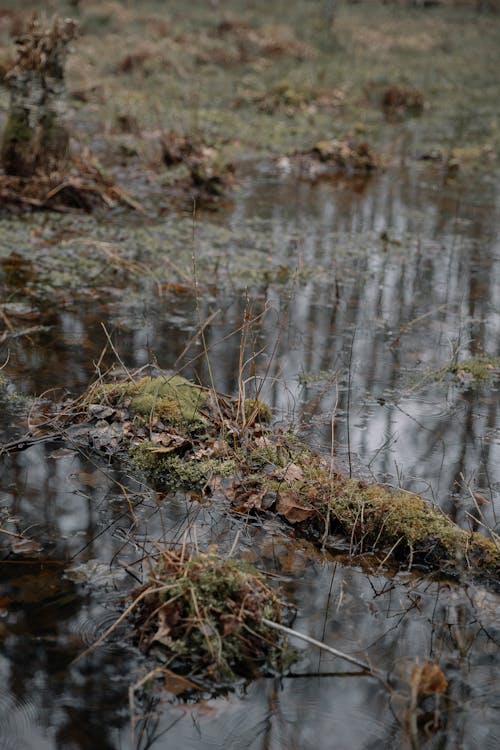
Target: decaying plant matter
{"type": "Point", "coordinates": [35, 138]}
{"type": "Point", "coordinates": [334, 156]}
{"type": "Point", "coordinates": [179, 434]}
{"type": "Point", "coordinates": [204, 614]}
{"type": "Point", "coordinates": [35, 151]}
{"type": "Point", "coordinates": [208, 174]}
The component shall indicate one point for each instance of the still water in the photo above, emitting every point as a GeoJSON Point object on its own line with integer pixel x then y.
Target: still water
{"type": "Point", "coordinates": [360, 292]}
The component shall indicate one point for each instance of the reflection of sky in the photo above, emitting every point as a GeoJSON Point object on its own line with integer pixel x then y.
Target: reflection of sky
{"type": "Point", "coordinates": [394, 309]}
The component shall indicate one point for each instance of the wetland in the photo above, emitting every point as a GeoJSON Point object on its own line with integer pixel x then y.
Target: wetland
{"type": "Point", "coordinates": [299, 215]}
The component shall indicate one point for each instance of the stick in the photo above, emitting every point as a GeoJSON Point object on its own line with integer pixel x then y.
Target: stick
{"type": "Point", "coordinates": [319, 644]}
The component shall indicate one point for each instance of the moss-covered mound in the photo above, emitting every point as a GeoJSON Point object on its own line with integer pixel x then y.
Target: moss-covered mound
{"type": "Point", "coordinates": [179, 434]}
{"type": "Point", "coordinates": [170, 398]}
{"type": "Point", "coordinates": [204, 613]}
{"type": "Point", "coordinates": [176, 433]}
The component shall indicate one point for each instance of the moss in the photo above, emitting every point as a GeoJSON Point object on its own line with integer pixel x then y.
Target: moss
{"type": "Point", "coordinates": [479, 368]}
{"type": "Point", "coordinates": [210, 614]}
{"type": "Point", "coordinates": [17, 129]}
{"type": "Point", "coordinates": [175, 471]}
{"type": "Point", "coordinates": [174, 399]}
{"type": "Point", "coordinates": [257, 411]}
{"type": "Point", "coordinates": [374, 518]}
{"type": "Point", "coordinates": [274, 471]}
{"type": "Point", "coordinates": [371, 514]}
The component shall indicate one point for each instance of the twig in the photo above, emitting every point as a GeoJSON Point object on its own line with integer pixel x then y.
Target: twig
{"type": "Point", "coordinates": [27, 441]}
{"type": "Point", "coordinates": [323, 646]}
{"type": "Point", "coordinates": [113, 349]}
{"type": "Point", "coordinates": [349, 405]}
{"type": "Point", "coordinates": [119, 620]}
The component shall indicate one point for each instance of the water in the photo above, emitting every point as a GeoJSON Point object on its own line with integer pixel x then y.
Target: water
{"type": "Point", "coordinates": [372, 285]}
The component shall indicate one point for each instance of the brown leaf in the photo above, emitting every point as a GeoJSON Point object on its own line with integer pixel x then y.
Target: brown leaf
{"type": "Point", "coordinates": [176, 684]}
{"type": "Point", "coordinates": [165, 442]}
{"type": "Point", "coordinates": [480, 499]}
{"type": "Point", "coordinates": [89, 478]}
{"type": "Point", "coordinates": [25, 547]}
{"type": "Point", "coordinates": [427, 679]}
{"type": "Point", "coordinates": [292, 507]}
{"type": "Point", "coordinates": [290, 473]}
{"type": "Point", "coordinates": [252, 500]}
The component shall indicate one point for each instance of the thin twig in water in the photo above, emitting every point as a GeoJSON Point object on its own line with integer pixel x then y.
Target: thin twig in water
{"type": "Point", "coordinates": [119, 620]}
{"type": "Point", "coordinates": [113, 348]}
{"type": "Point", "coordinates": [349, 404]}
{"type": "Point", "coordinates": [324, 647]}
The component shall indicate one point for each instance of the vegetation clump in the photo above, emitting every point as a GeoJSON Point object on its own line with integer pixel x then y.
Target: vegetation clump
{"type": "Point", "coordinates": [348, 154]}
{"type": "Point", "coordinates": [402, 100]}
{"type": "Point", "coordinates": [289, 99]}
{"type": "Point", "coordinates": [204, 615]}
{"type": "Point", "coordinates": [35, 150]}
{"type": "Point", "coordinates": [180, 434]}
{"type": "Point", "coordinates": [209, 175]}
{"type": "Point", "coordinates": [172, 399]}
{"type": "Point", "coordinates": [476, 368]}
{"type": "Point", "coordinates": [289, 479]}
{"type": "Point", "coordinates": [333, 156]}
{"type": "Point", "coordinates": [35, 136]}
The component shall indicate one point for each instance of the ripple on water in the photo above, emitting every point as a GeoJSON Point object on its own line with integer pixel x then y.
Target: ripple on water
{"type": "Point", "coordinates": [17, 718]}
{"type": "Point", "coordinates": [90, 626]}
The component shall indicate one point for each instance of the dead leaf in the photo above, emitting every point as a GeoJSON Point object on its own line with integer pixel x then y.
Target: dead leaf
{"type": "Point", "coordinates": [427, 679]}
{"type": "Point", "coordinates": [480, 499]}
{"type": "Point", "coordinates": [89, 478]}
{"type": "Point", "coordinates": [62, 453]}
{"type": "Point", "coordinates": [25, 547]}
{"type": "Point", "coordinates": [176, 684]}
{"type": "Point", "coordinates": [291, 473]}
{"type": "Point", "coordinates": [251, 501]}
{"type": "Point", "coordinates": [165, 442]}
{"type": "Point", "coordinates": [101, 411]}
{"type": "Point", "coordinates": [292, 507]}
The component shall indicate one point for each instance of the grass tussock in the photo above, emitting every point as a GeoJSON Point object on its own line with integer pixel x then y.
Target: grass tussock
{"type": "Point", "coordinates": [203, 614]}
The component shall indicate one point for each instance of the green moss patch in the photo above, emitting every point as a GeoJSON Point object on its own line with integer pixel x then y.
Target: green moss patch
{"type": "Point", "coordinates": [477, 368]}
{"type": "Point", "coordinates": [292, 481]}
{"type": "Point", "coordinates": [173, 399]}
{"type": "Point", "coordinates": [176, 470]}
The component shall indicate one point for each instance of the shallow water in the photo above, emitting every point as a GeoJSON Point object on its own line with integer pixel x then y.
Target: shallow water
{"type": "Point", "coordinates": [369, 287]}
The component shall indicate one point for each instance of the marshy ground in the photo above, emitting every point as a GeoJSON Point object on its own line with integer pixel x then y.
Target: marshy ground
{"type": "Point", "coordinates": [276, 204]}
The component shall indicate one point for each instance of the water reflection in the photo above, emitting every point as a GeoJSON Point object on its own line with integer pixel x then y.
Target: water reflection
{"type": "Point", "coordinates": [371, 288]}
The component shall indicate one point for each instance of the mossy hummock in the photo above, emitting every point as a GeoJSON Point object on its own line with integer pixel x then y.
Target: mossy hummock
{"type": "Point", "coordinates": [204, 613]}
{"type": "Point", "coordinates": [179, 434]}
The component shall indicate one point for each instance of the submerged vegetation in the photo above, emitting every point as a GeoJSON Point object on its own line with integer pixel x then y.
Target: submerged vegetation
{"type": "Point", "coordinates": [475, 369]}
